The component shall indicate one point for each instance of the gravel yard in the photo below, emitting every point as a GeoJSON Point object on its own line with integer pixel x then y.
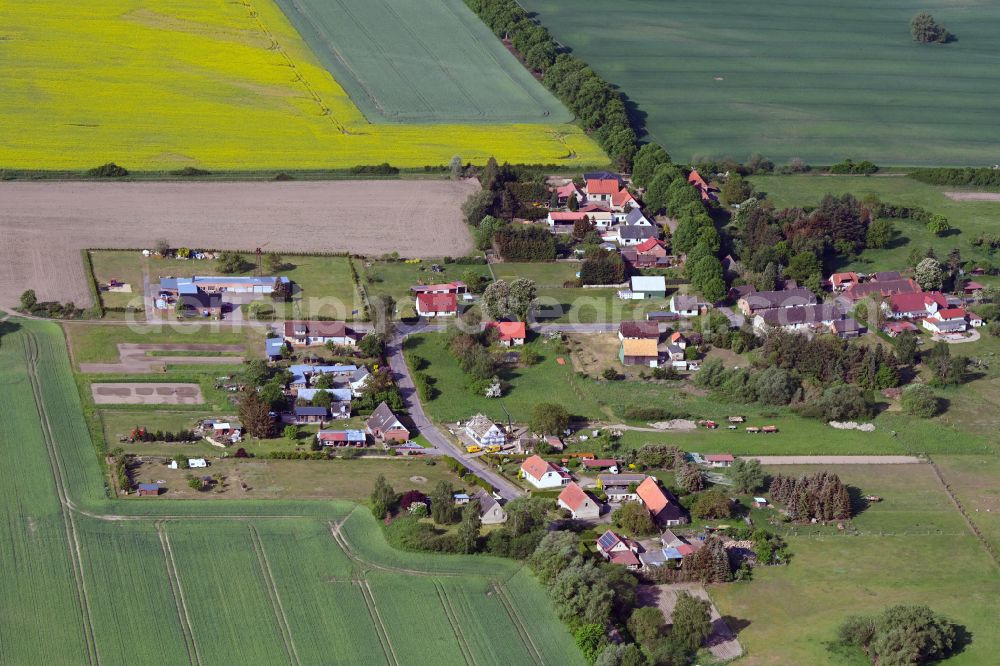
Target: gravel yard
{"type": "Point", "coordinates": [44, 226]}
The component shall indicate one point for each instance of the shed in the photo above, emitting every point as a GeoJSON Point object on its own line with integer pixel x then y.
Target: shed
{"type": "Point", "coordinates": [149, 489]}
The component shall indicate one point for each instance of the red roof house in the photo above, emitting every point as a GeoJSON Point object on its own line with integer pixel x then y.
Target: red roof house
{"type": "Point", "coordinates": [652, 246]}
{"type": "Point", "coordinates": [511, 333]}
{"type": "Point", "coordinates": [601, 463]}
{"type": "Point", "coordinates": [720, 459]}
{"type": "Point", "coordinates": [602, 189]}
{"type": "Point", "coordinates": [841, 281]}
{"type": "Point", "coordinates": [437, 305]}
{"type": "Point", "coordinates": [579, 503]}
{"type": "Point", "coordinates": [918, 304]}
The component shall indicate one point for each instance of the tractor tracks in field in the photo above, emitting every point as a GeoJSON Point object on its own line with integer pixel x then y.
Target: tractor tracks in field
{"type": "Point", "coordinates": [73, 540]}
{"type": "Point", "coordinates": [272, 592]}
{"type": "Point", "coordinates": [518, 622]}
{"type": "Point", "coordinates": [456, 624]}
{"type": "Point", "coordinates": [177, 591]}
{"type": "Point", "coordinates": [383, 635]}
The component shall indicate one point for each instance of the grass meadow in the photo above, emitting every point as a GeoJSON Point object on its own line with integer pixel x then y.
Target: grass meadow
{"type": "Point", "coordinates": [156, 85]}
{"type": "Point", "coordinates": [913, 547]}
{"type": "Point", "coordinates": [90, 579]}
{"type": "Point", "coordinates": [792, 79]}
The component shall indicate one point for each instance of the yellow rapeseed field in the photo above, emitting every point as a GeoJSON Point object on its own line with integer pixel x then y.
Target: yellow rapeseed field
{"type": "Point", "coordinates": [218, 84]}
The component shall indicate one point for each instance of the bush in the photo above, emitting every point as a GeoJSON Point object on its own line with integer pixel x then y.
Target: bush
{"type": "Point", "coordinates": [901, 635]}
{"type": "Point", "coordinates": [190, 171]}
{"type": "Point", "coordinates": [384, 169]}
{"type": "Point", "coordinates": [926, 30]}
{"type": "Point", "coordinates": [864, 168]}
{"type": "Point", "coordinates": [109, 170]}
{"type": "Point", "coordinates": [920, 400]}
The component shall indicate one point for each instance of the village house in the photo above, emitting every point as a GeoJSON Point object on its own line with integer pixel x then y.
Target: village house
{"type": "Point", "coordinates": [226, 432]}
{"type": "Point", "coordinates": [304, 415]}
{"type": "Point", "coordinates": [341, 438]}
{"type": "Point", "coordinates": [884, 288]}
{"type": "Point", "coordinates": [579, 503]}
{"type": "Point", "coordinates": [947, 320]}
{"type": "Point", "coordinates": [751, 304]}
{"type": "Point", "coordinates": [620, 487]}
{"type": "Point", "coordinates": [674, 353]}
{"type": "Point", "coordinates": [677, 338]}
{"type": "Point", "coordinates": [543, 474]}
{"type": "Point", "coordinates": [658, 503]}
{"type": "Point", "coordinates": [303, 374]}
{"type": "Point", "coordinates": [602, 187]}
{"type": "Point", "coordinates": [847, 328]}
{"type": "Point", "coordinates": [490, 510]}
{"type": "Point", "coordinates": [650, 253]}
{"type": "Point", "coordinates": [706, 191]}
{"type": "Point", "coordinates": [436, 304]}
{"type": "Point", "coordinates": [340, 400]}
{"type": "Point", "coordinates": [384, 426]}
{"type": "Point", "coordinates": [842, 281]}
{"type": "Point", "coordinates": [609, 464]}
{"type": "Point", "coordinates": [720, 459]}
{"type": "Point", "coordinates": [896, 328]}
{"type": "Point", "coordinates": [631, 235]}
{"type": "Point", "coordinates": [635, 218]}
{"type": "Point", "coordinates": [358, 379]}
{"type": "Point", "coordinates": [275, 348]}
{"type": "Point", "coordinates": [618, 550]}
{"type": "Point", "coordinates": [623, 201]}
{"type": "Point", "coordinates": [510, 333]}
{"type": "Point", "coordinates": [484, 432]}
{"type": "Point", "coordinates": [639, 352]}
{"type": "Point", "coordinates": [554, 443]}
{"type": "Point", "coordinates": [914, 305]}
{"type": "Point", "coordinates": [648, 286]}
{"type": "Point", "coordinates": [686, 305]}
{"type": "Point", "coordinates": [565, 192]}
{"type": "Point", "coordinates": [310, 333]}
{"type": "Point", "coordinates": [638, 330]}
{"type": "Point", "coordinates": [201, 303]}
{"type": "Point", "coordinates": [970, 288]}
{"type": "Point", "coordinates": [797, 318]}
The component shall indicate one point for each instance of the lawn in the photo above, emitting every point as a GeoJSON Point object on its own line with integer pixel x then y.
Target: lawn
{"type": "Point", "coordinates": [231, 86]}
{"type": "Point", "coordinates": [267, 583]}
{"type": "Point", "coordinates": [404, 62]}
{"type": "Point", "coordinates": [792, 79]}
{"type": "Point", "coordinates": [968, 218]}
{"type": "Point", "coordinates": [588, 306]}
{"type": "Point", "coordinates": [973, 479]}
{"type": "Point", "coordinates": [924, 554]}
{"type": "Point", "coordinates": [547, 275]}
{"type": "Point", "coordinates": [98, 343]}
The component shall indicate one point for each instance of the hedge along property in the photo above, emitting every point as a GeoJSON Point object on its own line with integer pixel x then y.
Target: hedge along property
{"type": "Point", "coordinates": [234, 86]}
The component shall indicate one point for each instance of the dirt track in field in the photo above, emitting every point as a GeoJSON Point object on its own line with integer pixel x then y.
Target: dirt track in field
{"type": "Point", "coordinates": [44, 226]}
{"type": "Point", "coordinates": [973, 196]}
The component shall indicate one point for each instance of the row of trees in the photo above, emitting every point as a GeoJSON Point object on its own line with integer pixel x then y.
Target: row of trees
{"type": "Point", "coordinates": [826, 358]}
{"type": "Point", "coordinates": [821, 496]}
{"type": "Point", "coordinates": [527, 243]}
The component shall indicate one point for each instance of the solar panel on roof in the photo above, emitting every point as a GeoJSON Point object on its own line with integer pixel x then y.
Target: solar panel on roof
{"type": "Point", "coordinates": [607, 540]}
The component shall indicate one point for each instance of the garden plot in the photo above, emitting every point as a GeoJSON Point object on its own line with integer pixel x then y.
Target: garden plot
{"type": "Point", "coordinates": [136, 358]}
{"type": "Point", "coordinates": [142, 393]}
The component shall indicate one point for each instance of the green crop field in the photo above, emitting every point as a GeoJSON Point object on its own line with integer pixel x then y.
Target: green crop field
{"type": "Point", "coordinates": [795, 79]}
{"type": "Point", "coordinates": [165, 84]}
{"type": "Point", "coordinates": [404, 61]}
{"type": "Point", "coordinates": [89, 579]}
{"type": "Point", "coordinates": [913, 547]}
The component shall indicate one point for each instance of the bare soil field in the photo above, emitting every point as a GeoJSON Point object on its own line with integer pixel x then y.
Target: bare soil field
{"type": "Point", "coordinates": [134, 358]}
{"type": "Point", "coordinates": [141, 393]}
{"type": "Point", "coordinates": [44, 226]}
{"type": "Point", "coordinates": [973, 196]}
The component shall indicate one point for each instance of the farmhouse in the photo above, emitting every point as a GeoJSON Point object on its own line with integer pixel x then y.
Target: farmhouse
{"type": "Point", "coordinates": [490, 511]}
{"type": "Point", "coordinates": [913, 305]}
{"type": "Point", "coordinates": [483, 431]}
{"type": "Point", "coordinates": [884, 288]}
{"type": "Point", "coordinates": [639, 352]}
{"type": "Point", "coordinates": [686, 305]}
{"type": "Point", "coordinates": [751, 304]}
{"type": "Point", "coordinates": [339, 438]}
{"type": "Point", "coordinates": [620, 487]}
{"type": "Point", "coordinates": [436, 304]}
{"type": "Point", "coordinates": [648, 286]}
{"type": "Point", "coordinates": [847, 328]}
{"type": "Point", "coordinates": [895, 328]}
{"type": "Point", "coordinates": [309, 333]}
{"type": "Point", "coordinates": [706, 191]}
{"type": "Point", "coordinates": [842, 281]}
{"type": "Point", "coordinates": [579, 503]}
{"type": "Point", "coordinates": [797, 318]}
{"type": "Point", "coordinates": [384, 426]}
{"type": "Point", "coordinates": [542, 474]}
{"type": "Point", "coordinates": [656, 500]}
{"type": "Point", "coordinates": [638, 330]}
{"type": "Point", "coordinates": [947, 320]}
{"type": "Point", "coordinates": [618, 550]}
{"type": "Point", "coordinates": [602, 189]}
{"type": "Point", "coordinates": [511, 333]}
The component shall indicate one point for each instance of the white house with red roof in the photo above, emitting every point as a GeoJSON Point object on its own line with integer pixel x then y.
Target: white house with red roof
{"type": "Point", "coordinates": [602, 189]}
{"type": "Point", "coordinates": [565, 192]}
{"type": "Point", "coordinates": [842, 281]}
{"type": "Point", "coordinates": [916, 305]}
{"type": "Point", "coordinates": [623, 201]}
{"type": "Point", "coordinates": [720, 459]}
{"type": "Point", "coordinates": [511, 333]}
{"type": "Point", "coordinates": [580, 504]}
{"type": "Point", "coordinates": [432, 304]}
{"type": "Point", "coordinates": [947, 320]}
{"type": "Point", "coordinates": [542, 474]}
{"type": "Point", "coordinates": [618, 549]}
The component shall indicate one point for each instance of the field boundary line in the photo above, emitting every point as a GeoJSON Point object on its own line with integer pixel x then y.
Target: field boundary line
{"type": "Point", "coordinates": [380, 630]}
{"type": "Point", "coordinates": [272, 592]}
{"type": "Point", "coordinates": [352, 555]}
{"type": "Point", "coordinates": [976, 532]}
{"type": "Point", "coordinates": [55, 465]}
{"type": "Point", "coordinates": [519, 626]}
{"type": "Point", "coordinates": [456, 627]}
{"type": "Point", "coordinates": [177, 592]}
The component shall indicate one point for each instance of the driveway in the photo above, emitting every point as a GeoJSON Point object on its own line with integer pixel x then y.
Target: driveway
{"type": "Point", "coordinates": [401, 373]}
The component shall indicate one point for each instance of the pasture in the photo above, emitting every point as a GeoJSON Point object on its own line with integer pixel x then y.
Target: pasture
{"type": "Point", "coordinates": [913, 547]}
{"type": "Point", "coordinates": [792, 79]}
{"type": "Point", "coordinates": [405, 62]}
{"type": "Point", "coordinates": [158, 85]}
{"type": "Point", "coordinates": [94, 580]}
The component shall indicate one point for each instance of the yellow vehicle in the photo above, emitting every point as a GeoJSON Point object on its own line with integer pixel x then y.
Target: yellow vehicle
{"type": "Point", "coordinates": [473, 448]}
{"type": "Point", "coordinates": [493, 448]}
